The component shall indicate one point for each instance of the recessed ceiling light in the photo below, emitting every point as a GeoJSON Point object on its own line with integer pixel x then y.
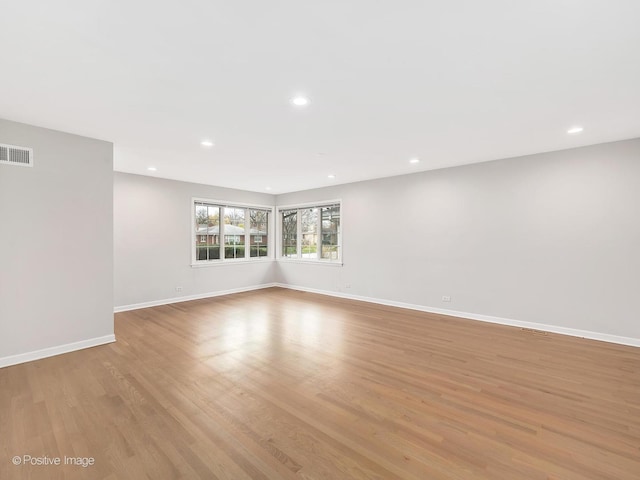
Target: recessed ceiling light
{"type": "Point", "coordinates": [575, 130]}
{"type": "Point", "coordinates": [414, 160]}
{"type": "Point", "coordinates": [267, 188]}
{"type": "Point", "coordinates": [152, 169]}
{"type": "Point", "coordinates": [300, 101]}
{"type": "Point", "coordinates": [331, 176]}
{"type": "Point", "coordinates": [206, 143]}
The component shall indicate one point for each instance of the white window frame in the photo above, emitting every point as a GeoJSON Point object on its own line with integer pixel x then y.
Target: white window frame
{"type": "Point", "coordinates": [303, 206]}
{"type": "Point", "coordinates": [271, 229]}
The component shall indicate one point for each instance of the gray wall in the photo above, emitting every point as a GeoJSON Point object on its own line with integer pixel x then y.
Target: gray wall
{"type": "Point", "coordinates": [552, 238]}
{"type": "Point", "coordinates": [56, 242]}
{"type": "Point", "coordinates": [152, 233]}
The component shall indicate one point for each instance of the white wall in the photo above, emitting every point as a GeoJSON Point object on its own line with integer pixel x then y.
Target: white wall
{"type": "Point", "coordinates": [152, 233]}
{"type": "Point", "coordinates": [56, 245]}
{"type": "Point", "coordinates": [552, 238]}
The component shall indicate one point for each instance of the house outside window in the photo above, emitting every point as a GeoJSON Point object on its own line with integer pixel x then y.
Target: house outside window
{"type": "Point", "coordinates": [214, 221]}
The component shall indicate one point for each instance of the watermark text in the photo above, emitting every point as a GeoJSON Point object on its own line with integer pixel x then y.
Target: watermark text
{"type": "Point", "coordinates": [46, 461]}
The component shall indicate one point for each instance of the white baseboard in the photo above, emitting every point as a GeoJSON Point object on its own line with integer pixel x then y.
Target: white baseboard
{"type": "Point", "coordinates": [604, 337]}
{"type": "Point", "coordinates": [57, 350]}
{"type": "Point", "coordinates": [168, 301]}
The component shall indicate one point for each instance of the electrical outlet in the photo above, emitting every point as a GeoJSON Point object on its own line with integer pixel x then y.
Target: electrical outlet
{"type": "Point", "coordinates": [178, 289]}
{"type": "Point", "coordinates": [347, 285]}
{"type": "Point", "coordinates": [446, 298]}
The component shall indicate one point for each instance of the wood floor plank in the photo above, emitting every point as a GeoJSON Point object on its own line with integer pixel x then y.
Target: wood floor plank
{"type": "Point", "coordinates": [284, 385]}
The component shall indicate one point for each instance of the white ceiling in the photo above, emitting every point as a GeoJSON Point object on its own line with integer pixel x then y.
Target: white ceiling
{"type": "Point", "coordinates": [450, 82]}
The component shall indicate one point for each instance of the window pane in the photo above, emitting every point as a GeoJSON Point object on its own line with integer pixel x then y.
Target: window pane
{"type": "Point", "coordinates": [309, 220]}
{"type": "Point", "coordinates": [330, 232]}
{"type": "Point", "coordinates": [213, 234]}
{"type": "Point", "coordinates": [289, 233]}
{"type": "Point", "coordinates": [258, 229]}
{"type": "Point", "coordinates": [234, 232]}
{"type": "Point", "coordinates": [207, 229]}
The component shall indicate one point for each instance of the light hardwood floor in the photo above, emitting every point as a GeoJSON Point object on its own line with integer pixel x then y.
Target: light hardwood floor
{"type": "Point", "coordinates": [278, 384]}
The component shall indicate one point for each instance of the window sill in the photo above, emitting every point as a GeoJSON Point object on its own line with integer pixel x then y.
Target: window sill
{"type": "Point", "coordinates": [220, 263]}
{"type": "Point", "coordinates": [328, 263]}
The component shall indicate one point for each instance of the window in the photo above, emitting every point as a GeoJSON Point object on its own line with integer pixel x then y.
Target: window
{"type": "Point", "coordinates": [234, 232]}
{"type": "Point", "coordinates": [207, 224]}
{"type": "Point", "coordinates": [330, 231]}
{"type": "Point", "coordinates": [311, 232]}
{"type": "Point", "coordinates": [309, 221]}
{"type": "Point", "coordinates": [229, 232]}
{"type": "Point", "coordinates": [258, 230]}
{"type": "Point", "coordinates": [289, 233]}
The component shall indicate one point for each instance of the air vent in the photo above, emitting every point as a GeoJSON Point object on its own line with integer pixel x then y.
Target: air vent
{"type": "Point", "coordinates": [13, 155]}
